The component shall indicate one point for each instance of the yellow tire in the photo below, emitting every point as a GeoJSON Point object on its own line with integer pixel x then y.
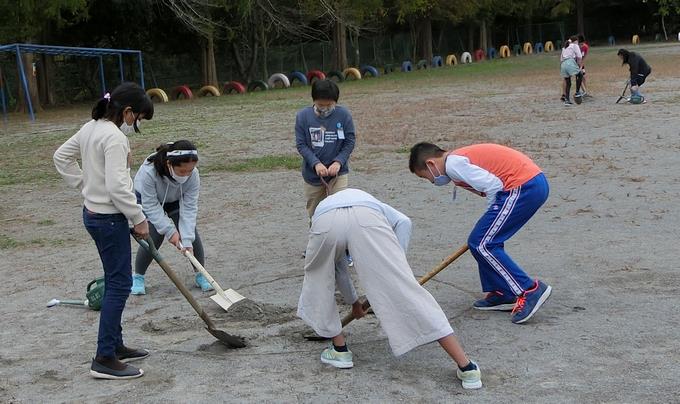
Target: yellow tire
{"type": "Point", "coordinates": [549, 46]}
{"type": "Point", "coordinates": [352, 72]}
{"type": "Point", "coordinates": [451, 60]}
{"type": "Point", "coordinates": [505, 51]}
{"type": "Point", "coordinates": [466, 57]}
{"type": "Point", "coordinates": [527, 48]}
{"type": "Point", "coordinates": [158, 94]}
{"type": "Point", "coordinates": [208, 90]}
{"type": "Point", "coordinates": [636, 40]}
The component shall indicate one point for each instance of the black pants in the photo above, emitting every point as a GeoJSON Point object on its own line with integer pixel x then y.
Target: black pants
{"type": "Point", "coordinates": [579, 80]}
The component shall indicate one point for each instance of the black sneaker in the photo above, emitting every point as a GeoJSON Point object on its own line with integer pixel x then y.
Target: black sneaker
{"type": "Point", "coordinates": [125, 354]}
{"type": "Point", "coordinates": [99, 371]}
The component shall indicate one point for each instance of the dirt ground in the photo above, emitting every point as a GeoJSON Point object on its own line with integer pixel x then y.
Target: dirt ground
{"type": "Point", "coordinates": [604, 241]}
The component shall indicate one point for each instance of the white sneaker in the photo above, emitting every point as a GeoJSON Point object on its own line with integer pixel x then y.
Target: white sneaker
{"type": "Point", "coordinates": [472, 379]}
{"type": "Point", "coordinates": [342, 360]}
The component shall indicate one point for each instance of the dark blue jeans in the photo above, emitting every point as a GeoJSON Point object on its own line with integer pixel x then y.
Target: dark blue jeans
{"type": "Point", "coordinates": [111, 234]}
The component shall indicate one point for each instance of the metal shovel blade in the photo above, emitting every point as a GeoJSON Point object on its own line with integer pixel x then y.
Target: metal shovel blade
{"type": "Point", "coordinates": [229, 340]}
{"type": "Point", "coordinates": [228, 299]}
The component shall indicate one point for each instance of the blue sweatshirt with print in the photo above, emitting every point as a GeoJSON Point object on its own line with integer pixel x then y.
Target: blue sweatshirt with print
{"type": "Point", "coordinates": [324, 140]}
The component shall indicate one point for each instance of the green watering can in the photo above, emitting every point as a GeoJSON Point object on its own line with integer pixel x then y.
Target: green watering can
{"type": "Point", "coordinates": [94, 295]}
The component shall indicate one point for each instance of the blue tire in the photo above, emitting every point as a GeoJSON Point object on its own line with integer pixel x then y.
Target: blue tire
{"type": "Point", "coordinates": [538, 47]}
{"type": "Point", "coordinates": [407, 66]}
{"type": "Point", "coordinates": [367, 69]}
{"type": "Point", "coordinates": [491, 53]}
{"type": "Point", "coordinates": [437, 61]}
{"type": "Point", "coordinates": [299, 76]}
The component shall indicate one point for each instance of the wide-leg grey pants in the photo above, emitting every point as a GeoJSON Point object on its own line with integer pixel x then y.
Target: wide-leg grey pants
{"type": "Point", "coordinates": [408, 314]}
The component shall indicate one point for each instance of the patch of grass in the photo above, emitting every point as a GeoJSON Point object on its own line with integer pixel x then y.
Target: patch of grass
{"type": "Point", "coordinates": [46, 222]}
{"type": "Point", "coordinates": [265, 163]}
{"type": "Point", "coordinates": [7, 242]}
{"type": "Point", "coordinates": [403, 150]}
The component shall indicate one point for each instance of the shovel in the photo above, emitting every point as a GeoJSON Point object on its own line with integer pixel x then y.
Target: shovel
{"type": "Point", "coordinates": [229, 340]}
{"type": "Point", "coordinates": [623, 93]}
{"type": "Point", "coordinates": [366, 304]}
{"type": "Point", "coordinates": [225, 298]}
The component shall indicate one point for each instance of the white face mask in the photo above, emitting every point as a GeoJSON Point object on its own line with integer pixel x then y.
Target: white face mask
{"type": "Point", "coordinates": [178, 178]}
{"type": "Point", "coordinates": [126, 129]}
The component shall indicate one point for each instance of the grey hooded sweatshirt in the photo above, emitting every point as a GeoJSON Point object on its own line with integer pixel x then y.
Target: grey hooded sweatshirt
{"type": "Point", "coordinates": [157, 191]}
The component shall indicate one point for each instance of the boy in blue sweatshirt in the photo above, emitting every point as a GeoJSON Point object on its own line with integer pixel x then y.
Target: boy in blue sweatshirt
{"type": "Point", "coordinates": [324, 136]}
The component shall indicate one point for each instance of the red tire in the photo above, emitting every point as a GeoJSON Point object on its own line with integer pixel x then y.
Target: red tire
{"type": "Point", "coordinates": [479, 55]}
{"type": "Point", "coordinates": [234, 87]}
{"type": "Point", "coordinates": [315, 74]}
{"type": "Point", "coordinates": [181, 92]}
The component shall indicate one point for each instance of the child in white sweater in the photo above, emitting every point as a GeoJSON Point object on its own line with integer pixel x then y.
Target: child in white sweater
{"type": "Point", "coordinates": [110, 206]}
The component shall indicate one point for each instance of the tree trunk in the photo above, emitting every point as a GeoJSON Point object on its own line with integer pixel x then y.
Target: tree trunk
{"type": "Point", "coordinates": [22, 105]}
{"type": "Point", "coordinates": [265, 46]}
{"type": "Point", "coordinates": [252, 65]}
{"type": "Point", "coordinates": [579, 17]}
{"type": "Point", "coordinates": [482, 36]}
{"type": "Point", "coordinates": [339, 54]}
{"type": "Point", "coordinates": [45, 89]}
{"type": "Point", "coordinates": [471, 38]}
{"type": "Point", "coordinates": [424, 35]}
{"type": "Point", "coordinates": [208, 65]}
{"type": "Point", "coordinates": [663, 26]}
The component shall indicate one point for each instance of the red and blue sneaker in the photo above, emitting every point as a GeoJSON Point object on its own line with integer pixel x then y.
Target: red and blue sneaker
{"type": "Point", "coordinates": [496, 301]}
{"type": "Point", "coordinates": [530, 301]}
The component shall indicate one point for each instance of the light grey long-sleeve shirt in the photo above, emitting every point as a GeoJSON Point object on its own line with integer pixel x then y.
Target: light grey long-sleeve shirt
{"type": "Point", "coordinates": [157, 190]}
{"type": "Point", "coordinates": [400, 223]}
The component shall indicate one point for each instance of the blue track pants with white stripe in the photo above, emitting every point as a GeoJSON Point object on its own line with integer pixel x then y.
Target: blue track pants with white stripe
{"type": "Point", "coordinates": [511, 210]}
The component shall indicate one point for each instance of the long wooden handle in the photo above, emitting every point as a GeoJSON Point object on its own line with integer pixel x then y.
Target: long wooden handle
{"type": "Point", "coordinates": [203, 271]}
{"type": "Point", "coordinates": [151, 248]}
{"type": "Point", "coordinates": [447, 261]}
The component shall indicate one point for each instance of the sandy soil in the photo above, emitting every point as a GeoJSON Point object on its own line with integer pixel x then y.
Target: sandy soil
{"type": "Point", "coordinates": [604, 241]}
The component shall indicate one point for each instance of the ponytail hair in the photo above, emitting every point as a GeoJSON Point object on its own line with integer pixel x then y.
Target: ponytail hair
{"type": "Point", "coordinates": [112, 106]}
{"type": "Point", "coordinates": [160, 159]}
{"type": "Point", "coordinates": [570, 41]}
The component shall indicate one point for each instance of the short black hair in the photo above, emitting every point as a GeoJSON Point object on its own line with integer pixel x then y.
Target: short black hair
{"type": "Point", "coordinates": [125, 95]}
{"type": "Point", "coordinates": [581, 38]}
{"type": "Point", "coordinates": [625, 55]}
{"type": "Point", "coordinates": [421, 152]}
{"type": "Point", "coordinates": [325, 90]}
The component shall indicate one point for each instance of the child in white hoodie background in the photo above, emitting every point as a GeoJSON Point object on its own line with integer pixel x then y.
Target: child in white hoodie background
{"type": "Point", "coordinates": [167, 185]}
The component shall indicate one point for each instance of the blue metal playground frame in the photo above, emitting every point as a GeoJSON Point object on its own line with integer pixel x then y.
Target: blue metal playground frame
{"type": "Point", "coordinates": [18, 49]}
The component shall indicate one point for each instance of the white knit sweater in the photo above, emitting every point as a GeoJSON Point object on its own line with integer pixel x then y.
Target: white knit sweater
{"type": "Point", "coordinates": [105, 175]}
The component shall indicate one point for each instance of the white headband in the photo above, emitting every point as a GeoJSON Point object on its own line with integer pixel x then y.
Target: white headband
{"type": "Point", "coordinates": [176, 153]}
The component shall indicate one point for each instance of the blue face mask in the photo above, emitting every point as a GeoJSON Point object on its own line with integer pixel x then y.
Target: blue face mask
{"type": "Point", "coordinates": [441, 179]}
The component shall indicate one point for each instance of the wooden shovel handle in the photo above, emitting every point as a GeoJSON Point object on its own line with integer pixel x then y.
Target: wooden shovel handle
{"type": "Point", "coordinates": [149, 246]}
{"type": "Point", "coordinates": [447, 261]}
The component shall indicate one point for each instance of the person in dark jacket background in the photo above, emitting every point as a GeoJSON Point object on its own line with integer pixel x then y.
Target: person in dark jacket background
{"type": "Point", "coordinates": [639, 70]}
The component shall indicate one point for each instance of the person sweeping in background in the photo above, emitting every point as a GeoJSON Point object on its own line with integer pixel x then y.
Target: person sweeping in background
{"type": "Point", "coordinates": [571, 65]}
{"type": "Point", "coordinates": [110, 205]}
{"type": "Point", "coordinates": [167, 185]}
{"type": "Point", "coordinates": [377, 236]}
{"type": "Point", "coordinates": [639, 70]}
